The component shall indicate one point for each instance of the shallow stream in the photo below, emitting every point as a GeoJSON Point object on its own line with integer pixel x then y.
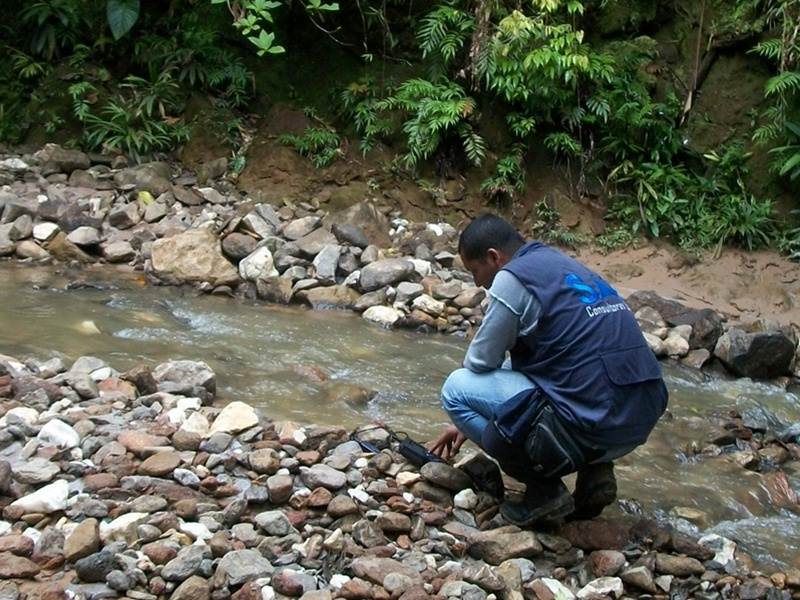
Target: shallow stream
{"type": "Point", "coordinates": [272, 357]}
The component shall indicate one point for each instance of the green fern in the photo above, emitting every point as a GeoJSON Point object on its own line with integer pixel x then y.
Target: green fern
{"type": "Point", "coordinates": [434, 112]}
{"type": "Point", "coordinates": [320, 144]}
{"type": "Point", "coordinates": [443, 32]}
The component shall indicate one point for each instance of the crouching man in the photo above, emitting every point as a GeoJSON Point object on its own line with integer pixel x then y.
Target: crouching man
{"type": "Point", "coordinates": [581, 390]}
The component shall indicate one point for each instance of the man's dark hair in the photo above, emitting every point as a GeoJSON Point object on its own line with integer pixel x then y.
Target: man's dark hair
{"type": "Point", "coordinates": [488, 231]}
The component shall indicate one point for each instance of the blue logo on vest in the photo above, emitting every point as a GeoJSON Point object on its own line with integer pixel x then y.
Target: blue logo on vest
{"type": "Point", "coordinates": [592, 292]}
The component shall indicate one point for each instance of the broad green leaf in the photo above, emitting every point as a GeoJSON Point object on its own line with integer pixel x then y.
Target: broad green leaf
{"type": "Point", "coordinates": [122, 16]}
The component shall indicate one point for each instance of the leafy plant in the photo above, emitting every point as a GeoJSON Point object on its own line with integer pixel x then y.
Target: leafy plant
{"type": "Point", "coordinates": [508, 178]}
{"type": "Point", "coordinates": [56, 25]}
{"type": "Point", "coordinates": [321, 144]}
{"type": "Point", "coordinates": [780, 119]}
{"type": "Point", "coordinates": [435, 113]}
{"type": "Point", "coordinates": [361, 104]}
{"type": "Point", "coordinates": [443, 32]}
{"type": "Point", "coordinates": [789, 242]}
{"type": "Point", "coordinates": [136, 122]}
{"type": "Point", "coordinates": [549, 228]}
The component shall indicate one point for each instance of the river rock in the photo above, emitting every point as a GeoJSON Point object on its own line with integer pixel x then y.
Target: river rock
{"type": "Point", "coordinates": [235, 417]}
{"type": "Point", "coordinates": [19, 545]}
{"type": "Point", "coordinates": [83, 541]}
{"type": "Point", "coordinates": [641, 578]}
{"type": "Point", "coordinates": [313, 243]}
{"type": "Point", "coordinates": [85, 237]}
{"type": "Point", "coordinates": [676, 346]}
{"type": "Point", "coordinates": [125, 216]}
{"type": "Point", "coordinates": [17, 567]}
{"type": "Point", "coordinates": [370, 299]}
{"type": "Point", "coordinates": [605, 563]}
{"type": "Point", "coordinates": [30, 249]}
{"type": "Point", "coordinates": [375, 569]}
{"type": "Point", "coordinates": [470, 297]}
{"type": "Point", "coordinates": [323, 476]}
{"type": "Point", "coordinates": [55, 159]}
{"type": "Point", "coordinates": [50, 498]}
{"type": "Point", "coordinates": [7, 246]}
{"type": "Point", "coordinates": [367, 217]}
{"type": "Point", "coordinates": [258, 265]}
{"type": "Point", "coordinates": [760, 354]}
{"type": "Point", "coordinates": [604, 586]}
{"type": "Point", "coordinates": [58, 434]}
{"type": "Point", "coordinates": [118, 252]}
{"type": "Point", "coordinates": [445, 476]}
{"type": "Point", "coordinates": [187, 377]}
{"type": "Point", "coordinates": [280, 488]}
{"type": "Point", "coordinates": [342, 505]}
{"type": "Point", "coordinates": [238, 245]}
{"type": "Point", "coordinates": [186, 563]}
{"type": "Point", "coordinates": [95, 567]}
{"type": "Point", "coordinates": [160, 464]}
{"type": "Point", "coordinates": [194, 256]}
{"type": "Point", "coordinates": [155, 212]}
{"type": "Point", "coordinates": [278, 290]}
{"type": "Point", "coordinates": [63, 249]}
{"type": "Point", "coordinates": [429, 305]}
{"type": "Point", "coordinates": [152, 177]}
{"type": "Point", "coordinates": [385, 272]}
{"type": "Point", "coordinates": [325, 263]}
{"type": "Point", "coordinates": [194, 588]}
{"type": "Point", "coordinates": [706, 323]}
{"type": "Point", "coordinates": [498, 545]}
{"type": "Point", "coordinates": [348, 233]}
{"type": "Point", "coordinates": [385, 316]}
{"type": "Point", "coordinates": [298, 228]}
{"type": "Point", "coordinates": [264, 461]}
{"type": "Point", "coordinates": [335, 296]}
{"type": "Point", "coordinates": [139, 441]}
{"type": "Point", "coordinates": [240, 566]}
{"type": "Point", "coordinates": [21, 228]}
{"type": "Point", "coordinates": [393, 522]}
{"type": "Point", "coordinates": [681, 566]}
{"type": "Point", "coordinates": [547, 588]}
{"type": "Point", "coordinates": [274, 522]}
{"type": "Point", "coordinates": [35, 471]}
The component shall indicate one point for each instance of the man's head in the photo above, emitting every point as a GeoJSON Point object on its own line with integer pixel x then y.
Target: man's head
{"type": "Point", "coordinates": [486, 245]}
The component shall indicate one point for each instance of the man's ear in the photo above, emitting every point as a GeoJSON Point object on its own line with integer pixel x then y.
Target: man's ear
{"type": "Point", "coordinates": [493, 256]}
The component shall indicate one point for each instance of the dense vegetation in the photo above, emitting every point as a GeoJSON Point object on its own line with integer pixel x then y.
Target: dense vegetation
{"type": "Point", "coordinates": [433, 79]}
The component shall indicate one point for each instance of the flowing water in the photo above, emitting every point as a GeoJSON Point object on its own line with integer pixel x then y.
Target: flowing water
{"type": "Point", "coordinates": [268, 356]}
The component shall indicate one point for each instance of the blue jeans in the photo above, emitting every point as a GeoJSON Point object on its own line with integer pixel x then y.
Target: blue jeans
{"type": "Point", "coordinates": [470, 399]}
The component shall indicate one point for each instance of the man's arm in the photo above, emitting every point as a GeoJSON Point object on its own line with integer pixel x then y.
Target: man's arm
{"type": "Point", "coordinates": [513, 311]}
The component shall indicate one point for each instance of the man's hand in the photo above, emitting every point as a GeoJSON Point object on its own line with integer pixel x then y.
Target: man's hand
{"type": "Point", "coordinates": [448, 444]}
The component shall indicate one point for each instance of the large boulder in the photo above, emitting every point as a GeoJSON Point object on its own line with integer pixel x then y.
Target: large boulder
{"type": "Point", "coordinates": [759, 354]}
{"type": "Point", "coordinates": [365, 219]}
{"type": "Point", "coordinates": [706, 323]}
{"type": "Point", "coordinates": [385, 272]}
{"type": "Point", "coordinates": [151, 177]}
{"type": "Point", "coordinates": [55, 159]}
{"type": "Point", "coordinates": [192, 257]}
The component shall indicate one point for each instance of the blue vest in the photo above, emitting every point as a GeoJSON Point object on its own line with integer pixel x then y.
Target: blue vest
{"type": "Point", "coordinates": [587, 352]}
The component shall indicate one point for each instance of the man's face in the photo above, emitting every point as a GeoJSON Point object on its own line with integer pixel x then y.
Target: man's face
{"type": "Point", "coordinates": [484, 269]}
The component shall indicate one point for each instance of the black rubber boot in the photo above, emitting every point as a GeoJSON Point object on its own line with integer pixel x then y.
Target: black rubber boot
{"type": "Point", "coordinates": [595, 488]}
{"type": "Point", "coordinates": [545, 502]}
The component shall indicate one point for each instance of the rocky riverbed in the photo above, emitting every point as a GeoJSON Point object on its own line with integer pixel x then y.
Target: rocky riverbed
{"type": "Point", "coordinates": [132, 485]}
{"type": "Point", "coordinates": [197, 229]}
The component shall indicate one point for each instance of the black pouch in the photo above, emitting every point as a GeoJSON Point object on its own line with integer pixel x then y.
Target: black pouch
{"type": "Point", "coordinates": [551, 447]}
{"type": "Point", "coordinates": [414, 452]}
